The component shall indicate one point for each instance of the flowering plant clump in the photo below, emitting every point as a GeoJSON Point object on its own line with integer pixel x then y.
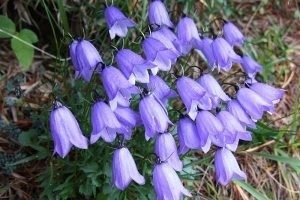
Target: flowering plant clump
{"type": "Point", "coordinates": [138, 98]}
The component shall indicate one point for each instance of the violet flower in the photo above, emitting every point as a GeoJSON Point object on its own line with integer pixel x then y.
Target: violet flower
{"type": "Point", "coordinates": [154, 116]}
{"type": "Point", "coordinates": [161, 36]}
{"type": "Point", "coordinates": [171, 36]}
{"type": "Point", "coordinates": [239, 113]}
{"type": "Point", "coordinates": [232, 34]}
{"type": "Point", "coordinates": [187, 135]}
{"type": "Point", "coordinates": [227, 168]}
{"type": "Point", "coordinates": [250, 66]}
{"type": "Point", "coordinates": [166, 150]}
{"type": "Point", "coordinates": [205, 48]}
{"type": "Point", "coordinates": [193, 95]}
{"type": "Point", "coordinates": [124, 169]}
{"type": "Point", "coordinates": [224, 54]}
{"type": "Point", "coordinates": [117, 22]}
{"type": "Point", "coordinates": [158, 14]}
{"type": "Point", "coordinates": [133, 66]}
{"type": "Point", "coordinates": [85, 58]}
{"type": "Point", "coordinates": [65, 130]}
{"type": "Point", "coordinates": [160, 89]}
{"type": "Point", "coordinates": [167, 184]}
{"type": "Point", "coordinates": [118, 89]}
{"type": "Point", "coordinates": [268, 92]}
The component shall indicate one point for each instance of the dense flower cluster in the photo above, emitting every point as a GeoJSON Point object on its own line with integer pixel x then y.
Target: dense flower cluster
{"type": "Point", "coordinates": [212, 116]}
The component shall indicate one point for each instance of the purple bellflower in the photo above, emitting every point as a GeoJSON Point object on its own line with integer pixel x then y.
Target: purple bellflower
{"type": "Point", "coordinates": [188, 34]}
{"type": "Point", "coordinates": [187, 135]}
{"type": "Point", "coordinates": [118, 89]}
{"type": "Point", "coordinates": [160, 55]}
{"type": "Point", "coordinates": [232, 34]}
{"type": "Point", "coordinates": [154, 116]}
{"type": "Point", "coordinates": [205, 48]}
{"type": "Point", "coordinates": [267, 92]}
{"type": "Point", "coordinates": [65, 130]}
{"type": "Point", "coordinates": [85, 58]}
{"type": "Point", "coordinates": [128, 120]}
{"type": "Point", "coordinates": [124, 169]}
{"type": "Point", "coordinates": [133, 66]}
{"type": "Point", "coordinates": [233, 131]}
{"type": "Point", "coordinates": [166, 150]}
{"type": "Point", "coordinates": [171, 36]}
{"type": "Point", "coordinates": [160, 89]}
{"type": "Point", "coordinates": [117, 22]}
{"type": "Point", "coordinates": [224, 54]}
{"type": "Point", "coordinates": [165, 40]}
{"type": "Point", "coordinates": [167, 184]}
{"type": "Point", "coordinates": [193, 95]}
{"type": "Point", "coordinates": [158, 14]}
{"type": "Point", "coordinates": [253, 103]}
{"type": "Point", "coordinates": [226, 167]}
{"type": "Point", "coordinates": [250, 66]}
{"type": "Point", "coordinates": [104, 122]}
{"type": "Point", "coordinates": [239, 113]}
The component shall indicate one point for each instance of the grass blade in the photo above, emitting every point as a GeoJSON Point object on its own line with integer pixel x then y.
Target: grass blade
{"type": "Point", "coordinates": [251, 190]}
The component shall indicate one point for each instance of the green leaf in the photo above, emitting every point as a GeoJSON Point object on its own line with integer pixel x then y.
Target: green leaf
{"type": "Point", "coordinates": [6, 25]}
{"type": "Point", "coordinates": [251, 190]}
{"type": "Point", "coordinates": [284, 159]}
{"type": "Point", "coordinates": [22, 48]}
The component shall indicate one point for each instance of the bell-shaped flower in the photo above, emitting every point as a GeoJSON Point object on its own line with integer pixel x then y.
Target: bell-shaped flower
{"type": "Point", "coordinates": [160, 55]}
{"type": "Point", "coordinates": [253, 103]}
{"type": "Point", "coordinates": [233, 131]}
{"type": "Point", "coordinates": [85, 58]}
{"type": "Point", "coordinates": [193, 95]}
{"type": "Point", "coordinates": [117, 22]}
{"type": "Point", "coordinates": [118, 89]}
{"type": "Point", "coordinates": [124, 169]}
{"type": "Point", "coordinates": [187, 135]}
{"type": "Point", "coordinates": [158, 14]}
{"type": "Point", "coordinates": [267, 92]}
{"type": "Point", "coordinates": [239, 113]}
{"type": "Point", "coordinates": [211, 85]}
{"type": "Point", "coordinates": [167, 184]}
{"type": "Point", "coordinates": [224, 54]}
{"type": "Point", "coordinates": [232, 34]}
{"type": "Point", "coordinates": [164, 39]}
{"type": "Point", "coordinates": [250, 66]}
{"type": "Point", "coordinates": [166, 150]}
{"type": "Point", "coordinates": [226, 167]}
{"type": "Point", "coordinates": [209, 129]}
{"type": "Point", "coordinates": [104, 123]}
{"type": "Point", "coordinates": [187, 34]}
{"type": "Point", "coordinates": [65, 130]}
{"type": "Point", "coordinates": [205, 48]}
{"type": "Point", "coordinates": [133, 66]}
{"type": "Point", "coordinates": [128, 120]}
{"type": "Point", "coordinates": [171, 36]}
{"type": "Point", "coordinates": [160, 89]}
{"type": "Point", "coordinates": [154, 116]}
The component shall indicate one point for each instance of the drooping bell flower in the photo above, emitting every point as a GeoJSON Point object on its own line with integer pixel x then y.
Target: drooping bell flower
{"type": "Point", "coordinates": [205, 48]}
{"type": "Point", "coordinates": [104, 122]}
{"type": "Point", "coordinates": [117, 22]}
{"type": "Point", "coordinates": [85, 58]}
{"type": "Point", "coordinates": [210, 84]}
{"type": "Point", "coordinates": [267, 92]}
{"type": "Point", "coordinates": [166, 150]}
{"type": "Point", "coordinates": [187, 135]}
{"type": "Point", "coordinates": [239, 113]}
{"type": "Point", "coordinates": [158, 14]}
{"type": "Point", "coordinates": [128, 120]}
{"type": "Point", "coordinates": [209, 128]}
{"type": "Point", "coordinates": [160, 89]}
{"type": "Point", "coordinates": [160, 55]}
{"type": "Point", "coordinates": [167, 184]}
{"type": "Point", "coordinates": [232, 34]}
{"type": "Point", "coordinates": [250, 66]}
{"type": "Point", "coordinates": [224, 54]}
{"type": "Point", "coordinates": [193, 95]}
{"type": "Point", "coordinates": [65, 130]}
{"type": "Point", "coordinates": [124, 169]}
{"type": "Point", "coordinates": [171, 36]}
{"type": "Point", "coordinates": [233, 131]}
{"type": "Point", "coordinates": [118, 89]}
{"type": "Point", "coordinates": [154, 116]}
{"type": "Point", "coordinates": [133, 66]}
{"type": "Point", "coordinates": [164, 39]}
{"type": "Point", "coordinates": [226, 167]}
{"type": "Point", "coordinates": [187, 34]}
{"type": "Point", "coordinates": [253, 103]}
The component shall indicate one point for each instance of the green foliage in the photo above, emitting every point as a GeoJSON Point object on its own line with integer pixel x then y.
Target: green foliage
{"type": "Point", "coordinates": [6, 26]}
